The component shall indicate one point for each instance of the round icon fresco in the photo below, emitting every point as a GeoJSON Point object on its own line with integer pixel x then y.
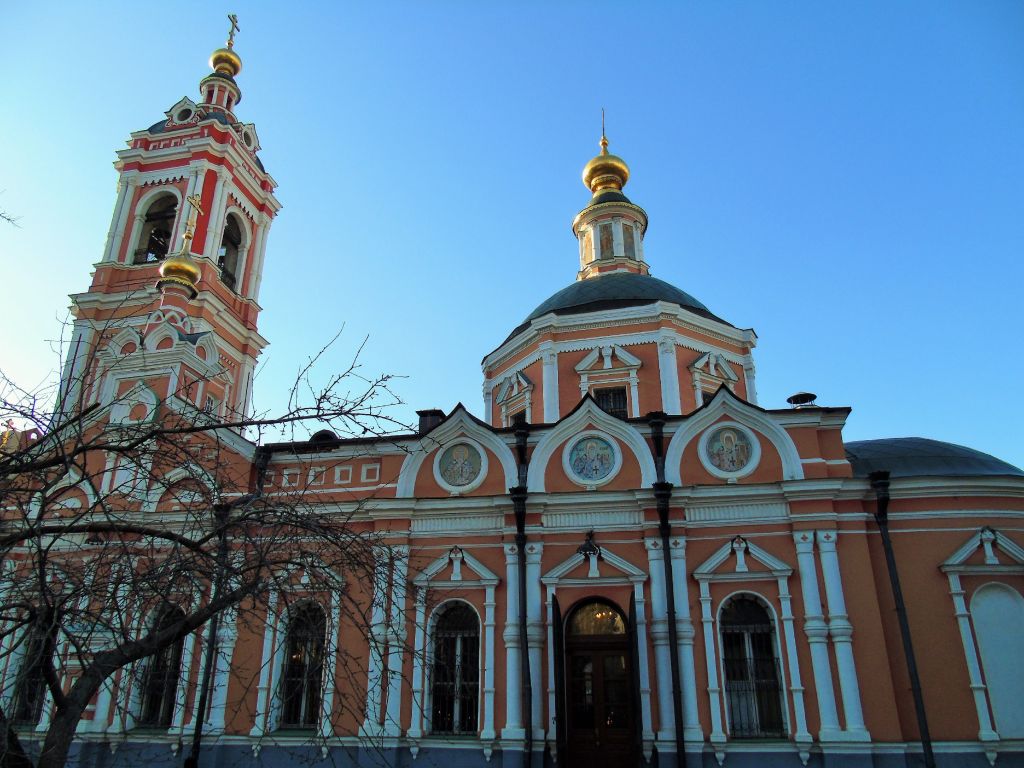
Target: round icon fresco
{"type": "Point", "coordinates": [592, 459]}
{"type": "Point", "coordinates": [459, 465]}
{"type": "Point", "coordinates": [729, 450]}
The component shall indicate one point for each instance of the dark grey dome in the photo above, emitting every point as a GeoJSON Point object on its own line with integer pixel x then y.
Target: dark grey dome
{"type": "Point", "coordinates": [612, 291]}
{"type": "Point", "coordinates": [917, 456]}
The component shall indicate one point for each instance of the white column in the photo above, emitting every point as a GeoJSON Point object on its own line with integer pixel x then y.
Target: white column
{"type": "Point", "coordinates": [711, 657]}
{"type": "Point", "coordinates": [79, 353]}
{"type": "Point", "coordinates": [550, 374]}
{"type": "Point", "coordinates": [487, 732]}
{"type": "Point", "coordinates": [125, 193]}
{"type": "Point", "coordinates": [644, 673]}
{"type": "Point", "coordinates": [668, 369]}
{"type": "Point", "coordinates": [513, 715]}
{"type": "Point", "coordinates": [801, 734]}
{"type": "Point", "coordinates": [488, 407]}
{"type": "Point", "coordinates": [659, 634]}
{"type": "Point", "coordinates": [256, 249]}
{"type": "Point", "coordinates": [396, 640]}
{"type": "Point", "coordinates": [194, 182]}
{"type": "Point", "coordinates": [227, 634]}
{"type": "Point", "coordinates": [685, 632]}
{"type": "Point", "coordinates": [215, 221]}
{"type": "Point", "coordinates": [418, 662]}
{"type": "Point", "coordinates": [259, 726]}
{"type": "Point", "coordinates": [841, 631]}
{"type": "Point", "coordinates": [749, 374]}
{"type": "Point", "coordinates": [260, 258]}
{"type": "Point", "coordinates": [330, 682]}
{"type": "Point", "coordinates": [535, 635]}
{"type": "Point", "coordinates": [817, 637]}
{"type": "Point", "coordinates": [697, 390]}
{"type": "Point", "coordinates": [184, 680]}
{"type": "Point", "coordinates": [377, 645]}
{"type": "Point", "coordinates": [634, 394]}
{"type": "Point", "coordinates": [618, 249]}
{"type": "Point", "coordinates": [986, 730]}
{"type": "Point", "coordinates": [552, 736]}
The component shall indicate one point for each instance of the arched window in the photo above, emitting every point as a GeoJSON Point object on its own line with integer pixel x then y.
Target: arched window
{"type": "Point", "coordinates": [160, 681]}
{"type": "Point", "coordinates": [752, 691]}
{"type": "Point", "coordinates": [302, 679]}
{"type": "Point", "coordinates": [455, 680]}
{"type": "Point", "coordinates": [155, 238]}
{"type": "Point", "coordinates": [230, 244]}
{"type": "Point", "coordinates": [30, 689]}
{"type": "Point", "coordinates": [998, 613]}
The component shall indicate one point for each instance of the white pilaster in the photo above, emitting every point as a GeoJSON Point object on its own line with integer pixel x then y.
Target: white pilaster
{"type": "Point", "coordinates": [488, 404]}
{"type": "Point", "coordinates": [644, 673]}
{"type": "Point", "coordinates": [801, 735]}
{"type": "Point", "coordinates": [535, 634]}
{"type": "Point", "coordinates": [513, 707]}
{"type": "Point", "coordinates": [668, 370]}
{"type": "Point", "coordinates": [375, 663]}
{"type": "Point", "coordinates": [184, 681]}
{"type": "Point", "coordinates": [618, 248]}
{"type": "Point", "coordinates": [259, 726]}
{"type": "Point", "coordinates": [550, 387]}
{"type": "Point", "coordinates": [79, 353]}
{"type": "Point", "coordinates": [487, 733]}
{"type": "Point", "coordinates": [330, 682]}
{"type": "Point", "coordinates": [260, 258]}
{"type": "Point", "coordinates": [396, 640]}
{"type": "Point", "coordinates": [986, 731]}
{"type": "Point", "coordinates": [841, 631]}
{"type": "Point", "coordinates": [749, 374]}
{"type": "Point", "coordinates": [711, 655]}
{"type": "Point", "coordinates": [215, 222]}
{"type": "Point", "coordinates": [659, 635]}
{"type": "Point", "coordinates": [227, 634]}
{"type": "Point", "coordinates": [418, 672]}
{"type": "Point", "coordinates": [817, 637]}
{"type": "Point", "coordinates": [552, 736]}
{"type": "Point", "coordinates": [125, 194]}
{"type": "Point", "coordinates": [685, 633]}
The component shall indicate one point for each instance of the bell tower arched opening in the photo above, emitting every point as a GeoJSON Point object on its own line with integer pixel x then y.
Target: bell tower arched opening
{"type": "Point", "coordinates": [157, 225]}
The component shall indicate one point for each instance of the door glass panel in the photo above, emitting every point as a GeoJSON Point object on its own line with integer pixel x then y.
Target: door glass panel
{"type": "Point", "coordinates": [596, 619]}
{"type": "Point", "coordinates": [581, 692]}
{"type": "Point", "coordinates": [616, 692]}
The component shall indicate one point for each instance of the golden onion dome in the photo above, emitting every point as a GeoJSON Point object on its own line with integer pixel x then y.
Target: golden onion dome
{"type": "Point", "coordinates": [226, 61]}
{"type": "Point", "coordinates": [606, 171]}
{"type": "Point", "coordinates": [181, 269]}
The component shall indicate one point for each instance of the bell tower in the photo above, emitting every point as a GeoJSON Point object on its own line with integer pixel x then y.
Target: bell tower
{"type": "Point", "coordinates": [185, 248]}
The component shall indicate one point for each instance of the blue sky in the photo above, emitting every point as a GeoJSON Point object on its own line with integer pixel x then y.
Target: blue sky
{"type": "Point", "coordinates": [845, 178]}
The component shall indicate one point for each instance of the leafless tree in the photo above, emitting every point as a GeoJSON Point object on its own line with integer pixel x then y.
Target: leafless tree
{"type": "Point", "coordinates": [129, 525]}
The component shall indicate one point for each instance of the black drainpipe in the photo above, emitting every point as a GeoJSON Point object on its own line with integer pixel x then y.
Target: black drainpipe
{"type": "Point", "coordinates": [880, 484]}
{"type": "Point", "coordinates": [662, 495]}
{"type": "Point", "coordinates": [518, 495]}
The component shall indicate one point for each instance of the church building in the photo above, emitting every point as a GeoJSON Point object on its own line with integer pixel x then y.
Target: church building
{"type": "Point", "coordinates": [624, 560]}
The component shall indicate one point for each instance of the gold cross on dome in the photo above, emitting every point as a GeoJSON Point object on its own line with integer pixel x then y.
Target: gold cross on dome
{"type": "Point", "coordinates": [233, 18]}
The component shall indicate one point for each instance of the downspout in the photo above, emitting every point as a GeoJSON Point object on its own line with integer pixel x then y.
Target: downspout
{"type": "Point", "coordinates": [880, 484]}
{"type": "Point", "coordinates": [662, 495]}
{"type": "Point", "coordinates": [518, 494]}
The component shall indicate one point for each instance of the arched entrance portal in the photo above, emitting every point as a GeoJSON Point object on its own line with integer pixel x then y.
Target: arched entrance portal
{"type": "Point", "coordinates": [599, 701]}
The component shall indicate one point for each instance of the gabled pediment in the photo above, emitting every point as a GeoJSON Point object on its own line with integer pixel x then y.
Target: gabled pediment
{"type": "Point", "coordinates": [513, 385]}
{"type": "Point", "coordinates": [987, 551]}
{"type": "Point", "coordinates": [608, 567]}
{"type": "Point", "coordinates": [454, 568]}
{"type": "Point", "coordinates": [607, 358]}
{"type": "Point", "coordinates": [184, 112]}
{"type": "Point", "coordinates": [741, 559]}
{"type": "Point", "coordinates": [715, 365]}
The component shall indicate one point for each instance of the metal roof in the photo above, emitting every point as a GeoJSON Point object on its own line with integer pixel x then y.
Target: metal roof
{"type": "Point", "coordinates": [919, 456]}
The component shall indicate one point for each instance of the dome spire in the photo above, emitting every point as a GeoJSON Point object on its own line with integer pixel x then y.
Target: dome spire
{"type": "Point", "coordinates": [606, 171]}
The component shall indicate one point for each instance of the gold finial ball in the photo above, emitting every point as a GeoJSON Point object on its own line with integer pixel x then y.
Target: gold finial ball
{"type": "Point", "coordinates": [605, 171]}
{"type": "Point", "coordinates": [226, 61]}
{"type": "Point", "coordinates": [181, 268]}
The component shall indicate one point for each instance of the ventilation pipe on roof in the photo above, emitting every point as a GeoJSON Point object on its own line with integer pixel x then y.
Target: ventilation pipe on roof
{"type": "Point", "coordinates": [429, 419]}
{"type": "Point", "coordinates": [803, 400]}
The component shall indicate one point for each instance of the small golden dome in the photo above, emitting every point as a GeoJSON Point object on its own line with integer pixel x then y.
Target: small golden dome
{"type": "Point", "coordinates": [605, 171]}
{"type": "Point", "coordinates": [226, 61]}
{"type": "Point", "coordinates": [182, 269]}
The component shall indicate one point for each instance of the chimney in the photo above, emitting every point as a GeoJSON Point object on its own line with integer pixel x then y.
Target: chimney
{"type": "Point", "coordinates": [803, 400]}
{"type": "Point", "coordinates": [429, 419]}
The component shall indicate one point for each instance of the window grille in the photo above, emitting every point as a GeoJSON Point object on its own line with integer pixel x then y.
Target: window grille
{"type": "Point", "coordinates": [160, 682]}
{"type": "Point", "coordinates": [752, 689]}
{"type": "Point", "coordinates": [302, 679]}
{"type": "Point", "coordinates": [455, 692]}
{"type": "Point", "coordinates": [613, 401]}
{"type": "Point", "coordinates": [31, 686]}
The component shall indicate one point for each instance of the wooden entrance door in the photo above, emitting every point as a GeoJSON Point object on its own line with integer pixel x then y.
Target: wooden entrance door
{"type": "Point", "coordinates": [598, 672]}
